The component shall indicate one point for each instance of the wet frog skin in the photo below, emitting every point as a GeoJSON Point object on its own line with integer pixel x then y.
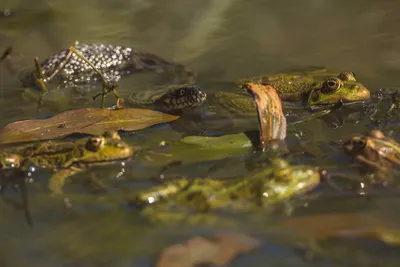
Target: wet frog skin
{"type": "Point", "coordinates": [374, 150]}
{"type": "Point", "coordinates": [174, 199]}
{"type": "Point", "coordinates": [68, 158]}
{"type": "Point", "coordinates": [314, 89]}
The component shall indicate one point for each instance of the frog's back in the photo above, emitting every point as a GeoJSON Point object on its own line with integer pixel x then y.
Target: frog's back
{"type": "Point", "coordinates": [291, 87]}
{"type": "Point", "coordinates": [51, 154]}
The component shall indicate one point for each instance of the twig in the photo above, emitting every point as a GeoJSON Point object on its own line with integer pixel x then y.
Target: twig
{"type": "Point", "coordinates": [40, 82]}
{"type": "Point", "coordinates": [107, 85]}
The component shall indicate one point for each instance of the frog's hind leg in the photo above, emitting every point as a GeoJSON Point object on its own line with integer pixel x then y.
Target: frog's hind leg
{"type": "Point", "coordinates": [57, 180]}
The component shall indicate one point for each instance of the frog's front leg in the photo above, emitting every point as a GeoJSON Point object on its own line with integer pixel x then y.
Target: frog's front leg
{"type": "Point", "coordinates": [57, 180]}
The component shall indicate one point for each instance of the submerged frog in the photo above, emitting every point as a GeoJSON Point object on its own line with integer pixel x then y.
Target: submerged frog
{"type": "Point", "coordinates": [375, 151]}
{"type": "Point", "coordinates": [68, 158]}
{"type": "Point", "coordinates": [176, 199]}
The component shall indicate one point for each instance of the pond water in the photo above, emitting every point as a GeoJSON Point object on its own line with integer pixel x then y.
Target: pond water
{"type": "Point", "coordinates": [222, 41]}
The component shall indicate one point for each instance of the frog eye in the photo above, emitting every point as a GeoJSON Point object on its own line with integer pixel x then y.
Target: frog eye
{"type": "Point", "coordinates": [358, 143]}
{"type": "Point", "coordinates": [94, 143]}
{"type": "Point", "coordinates": [332, 85]}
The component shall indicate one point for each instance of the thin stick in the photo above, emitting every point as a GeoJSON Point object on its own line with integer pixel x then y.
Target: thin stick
{"type": "Point", "coordinates": [40, 82]}
{"type": "Point", "coordinates": [60, 66]}
{"type": "Point", "coordinates": [107, 86]}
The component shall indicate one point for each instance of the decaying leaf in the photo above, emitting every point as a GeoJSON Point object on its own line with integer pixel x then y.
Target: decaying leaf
{"type": "Point", "coordinates": [357, 225]}
{"type": "Point", "coordinates": [220, 250]}
{"type": "Point", "coordinates": [129, 120]}
{"type": "Point", "coordinates": [272, 122]}
{"type": "Point", "coordinates": [85, 120]}
{"type": "Point", "coordinates": [59, 125]}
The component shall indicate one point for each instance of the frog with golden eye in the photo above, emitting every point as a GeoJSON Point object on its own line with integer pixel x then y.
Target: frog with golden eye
{"type": "Point", "coordinates": [377, 152]}
{"type": "Point", "coordinates": [316, 89]}
{"type": "Point", "coordinates": [67, 158]}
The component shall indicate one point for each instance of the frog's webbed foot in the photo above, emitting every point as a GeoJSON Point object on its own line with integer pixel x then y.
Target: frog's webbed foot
{"type": "Point", "coordinates": [57, 180]}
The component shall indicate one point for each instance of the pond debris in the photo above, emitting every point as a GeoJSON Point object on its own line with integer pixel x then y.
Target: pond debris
{"type": "Point", "coordinates": [40, 82]}
{"type": "Point", "coordinates": [345, 225]}
{"type": "Point", "coordinates": [272, 121]}
{"type": "Point", "coordinates": [220, 249]}
{"type": "Point", "coordinates": [108, 86]}
{"type": "Point", "coordinates": [90, 121]}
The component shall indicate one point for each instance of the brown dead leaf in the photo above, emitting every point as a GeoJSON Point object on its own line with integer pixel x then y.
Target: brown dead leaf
{"type": "Point", "coordinates": [86, 120]}
{"type": "Point", "coordinates": [221, 249]}
{"type": "Point", "coordinates": [59, 125]}
{"type": "Point", "coordinates": [272, 122]}
{"type": "Point", "coordinates": [130, 119]}
{"type": "Point", "coordinates": [343, 225]}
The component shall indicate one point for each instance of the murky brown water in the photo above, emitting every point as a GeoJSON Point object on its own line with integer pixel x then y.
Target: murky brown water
{"type": "Point", "coordinates": [222, 40]}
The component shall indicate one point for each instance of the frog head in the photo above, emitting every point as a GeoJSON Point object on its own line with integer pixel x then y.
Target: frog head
{"type": "Point", "coordinates": [374, 150]}
{"type": "Point", "coordinates": [343, 89]}
{"type": "Point", "coordinates": [101, 149]}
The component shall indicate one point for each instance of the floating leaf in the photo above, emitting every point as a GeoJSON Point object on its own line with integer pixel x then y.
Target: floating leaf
{"type": "Point", "coordinates": [87, 120]}
{"type": "Point", "coordinates": [272, 122]}
{"type": "Point", "coordinates": [221, 142]}
{"type": "Point", "coordinates": [129, 120]}
{"type": "Point", "coordinates": [219, 250]}
{"type": "Point", "coordinates": [59, 125]}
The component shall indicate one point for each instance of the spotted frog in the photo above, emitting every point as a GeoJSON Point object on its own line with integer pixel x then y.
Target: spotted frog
{"type": "Point", "coordinates": [314, 88]}
{"type": "Point", "coordinates": [175, 199]}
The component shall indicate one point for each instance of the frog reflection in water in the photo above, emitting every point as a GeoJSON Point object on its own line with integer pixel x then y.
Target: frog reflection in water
{"type": "Point", "coordinates": [68, 158]}
{"type": "Point", "coordinates": [281, 181]}
{"type": "Point", "coordinates": [380, 154]}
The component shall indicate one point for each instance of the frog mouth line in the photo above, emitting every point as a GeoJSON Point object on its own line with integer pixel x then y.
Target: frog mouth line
{"type": "Point", "coordinates": [339, 104]}
{"type": "Point", "coordinates": [104, 162]}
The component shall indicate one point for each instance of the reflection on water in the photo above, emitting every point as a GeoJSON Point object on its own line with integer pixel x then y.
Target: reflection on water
{"type": "Point", "coordinates": [222, 40]}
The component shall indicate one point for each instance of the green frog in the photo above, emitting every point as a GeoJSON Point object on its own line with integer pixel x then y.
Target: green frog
{"type": "Point", "coordinates": [175, 199]}
{"type": "Point", "coordinates": [317, 88]}
{"type": "Point", "coordinates": [378, 153]}
{"type": "Point", "coordinates": [67, 158]}
{"type": "Point", "coordinates": [314, 88]}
